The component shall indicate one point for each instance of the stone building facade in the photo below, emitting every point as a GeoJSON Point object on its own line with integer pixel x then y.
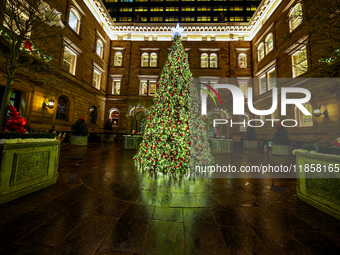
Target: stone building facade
{"type": "Point", "coordinates": [133, 54]}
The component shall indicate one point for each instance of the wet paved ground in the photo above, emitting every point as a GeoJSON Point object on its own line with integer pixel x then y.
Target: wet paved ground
{"type": "Point", "coordinates": [101, 205]}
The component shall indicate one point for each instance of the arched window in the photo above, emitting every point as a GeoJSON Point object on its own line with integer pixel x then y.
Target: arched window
{"type": "Point", "coordinates": [114, 115]}
{"type": "Point", "coordinates": [204, 60]}
{"type": "Point", "coordinates": [99, 48]}
{"type": "Point", "coordinates": [242, 60]}
{"type": "Point", "coordinates": [74, 20]}
{"type": "Point", "coordinates": [269, 43]}
{"type": "Point", "coordinates": [213, 60]}
{"type": "Point", "coordinates": [295, 17]}
{"type": "Point", "coordinates": [62, 108]}
{"type": "Point", "coordinates": [153, 60]}
{"type": "Point", "coordinates": [93, 115]}
{"type": "Point", "coordinates": [145, 60]}
{"type": "Point", "coordinates": [304, 120]}
{"type": "Point", "coordinates": [118, 61]}
{"type": "Point", "coordinates": [261, 51]}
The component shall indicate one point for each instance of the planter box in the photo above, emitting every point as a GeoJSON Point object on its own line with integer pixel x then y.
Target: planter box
{"type": "Point", "coordinates": [78, 140]}
{"type": "Point", "coordinates": [221, 145]}
{"type": "Point", "coordinates": [251, 144]}
{"type": "Point", "coordinates": [107, 138]}
{"type": "Point", "coordinates": [282, 150]}
{"type": "Point", "coordinates": [27, 167]}
{"type": "Point", "coordinates": [132, 141]}
{"type": "Point", "coordinates": [320, 190]}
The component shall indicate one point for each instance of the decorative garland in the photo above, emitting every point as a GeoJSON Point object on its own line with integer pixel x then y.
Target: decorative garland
{"type": "Point", "coordinates": [332, 59]}
{"type": "Point", "coordinates": [136, 107]}
{"type": "Point", "coordinates": [28, 47]}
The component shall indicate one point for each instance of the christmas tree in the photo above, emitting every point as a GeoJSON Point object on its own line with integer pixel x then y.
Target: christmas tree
{"type": "Point", "coordinates": [174, 135]}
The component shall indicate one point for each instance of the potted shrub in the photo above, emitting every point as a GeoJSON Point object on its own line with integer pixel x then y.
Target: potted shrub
{"type": "Point", "coordinates": [108, 136]}
{"type": "Point", "coordinates": [250, 143]}
{"type": "Point", "coordinates": [79, 133]}
{"type": "Point", "coordinates": [318, 176]}
{"type": "Point", "coordinates": [281, 142]}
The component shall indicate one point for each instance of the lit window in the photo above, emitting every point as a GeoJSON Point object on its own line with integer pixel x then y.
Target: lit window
{"type": "Point", "coordinates": [203, 8]}
{"type": "Point", "coordinates": [261, 51]}
{"type": "Point", "coordinates": [152, 90]}
{"type": "Point", "coordinates": [304, 120]}
{"type": "Point", "coordinates": [271, 76]}
{"type": "Point", "coordinates": [236, 8]}
{"type": "Point", "coordinates": [156, 19]}
{"type": "Point", "coordinates": [242, 60]}
{"type": "Point", "coordinates": [118, 61]}
{"type": "Point", "coordinates": [74, 20]}
{"type": "Point", "coordinates": [70, 59]}
{"type": "Point", "coordinates": [204, 60]}
{"type": "Point", "coordinates": [147, 88]}
{"type": "Point", "coordinates": [263, 84]}
{"type": "Point", "coordinates": [156, 9]}
{"type": "Point", "coordinates": [143, 88]}
{"type": "Point", "coordinates": [299, 62]}
{"type": "Point", "coordinates": [153, 60]}
{"type": "Point", "coordinates": [188, 9]}
{"type": "Point", "coordinates": [96, 79]}
{"type": "Point", "coordinates": [116, 87]}
{"type": "Point", "coordinates": [269, 43]}
{"type": "Point", "coordinates": [99, 48]}
{"type": "Point", "coordinates": [213, 60]}
{"type": "Point", "coordinates": [145, 60]}
{"type": "Point", "coordinates": [295, 17]}
{"type": "Point", "coordinates": [203, 18]}
{"type": "Point", "coordinates": [172, 9]}
{"type": "Point", "coordinates": [14, 24]}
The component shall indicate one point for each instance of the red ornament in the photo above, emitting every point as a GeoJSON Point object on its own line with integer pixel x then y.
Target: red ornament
{"type": "Point", "coordinates": [28, 45]}
{"type": "Point", "coordinates": [16, 122]}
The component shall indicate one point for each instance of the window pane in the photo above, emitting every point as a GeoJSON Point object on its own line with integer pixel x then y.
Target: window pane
{"type": "Point", "coordinates": [116, 87]}
{"type": "Point", "coordinates": [99, 48]}
{"type": "Point", "coordinates": [271, 79]}
{"type": "Point", "coordinates": [145, 60]}
{"type": "Point", "coordinates": [69, 61]}
{"type": "Point", "coordinates": [96, 79]}
{"type": "Point", "coordinates": [118, 59]}
{"type": "Point", "coordinates": [152, 88]}
{"type": "Point", "coordinates": [153, 60]}
{"type": "Point", "coordinates": [144, 88]}
{"type": "Point", "coordinates": [300, 64]}
{"type": "Point", "coordinates": [62, 108]}
{"type": "Point", "coordinates": [204, 61]}
{"type": "Point", "coordinates": [73, 21]}
{"type": "Point", "coordinates": [242, 60]}
{"type": "Point", "coordinates": [213, 61]}
{"type": "Point", "coordinates": [263, 85]}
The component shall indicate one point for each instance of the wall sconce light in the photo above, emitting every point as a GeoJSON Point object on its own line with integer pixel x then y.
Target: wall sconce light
{"type": "Point", "coordinates": [50, 103]}
{"type": "Point", "coordinates": [319, 113]}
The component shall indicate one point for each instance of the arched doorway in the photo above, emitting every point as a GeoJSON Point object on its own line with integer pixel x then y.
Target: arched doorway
{"type": "Point", "coordinates": [114, 116]}
{"type": "Point", "coordinates": [138, 114]}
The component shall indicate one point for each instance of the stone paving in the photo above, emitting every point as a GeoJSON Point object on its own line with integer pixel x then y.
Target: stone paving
{"type": "Point", "coordinates": [101, 205]}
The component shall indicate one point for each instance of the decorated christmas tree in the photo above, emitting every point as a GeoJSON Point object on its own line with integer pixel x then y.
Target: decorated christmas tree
{"type": "Point", "coordinates": [175, 136]}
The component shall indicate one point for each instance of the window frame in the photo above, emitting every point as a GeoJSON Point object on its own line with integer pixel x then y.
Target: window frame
{"type": "Point", "coordinates": [295, 67]}
{"type": "Point", "coordinates": [113, 91]}
{"type": "Point", "coordinates": [115, 59]}
{"type": "Point", "coordinates": [148, 87]}
{"type": "Point", "coordinates": [145, 61]}
{"type": "Point", "coordinates": [269, 36]}
{"type": "Point", "coordinates": [260, 49]}
{"type": "Point", "coordinates": [77, 16]}
{"type": "Point", "coordinates": [153, 61]}
{"type": "Point", "coordinates": [299, 116]}
{"type": "Point", "coordinates": [75, 55]}
{"type": "Point", "coordinates": [210, 62]}
{"type": "Point", "coordinates": [100, 41]}
{"type": "Point", "coordinates": [67, 108]}
{"type": "Point", "coordinates": [245, 60]}
{"type": "Point", "coordinates": [292, 18]}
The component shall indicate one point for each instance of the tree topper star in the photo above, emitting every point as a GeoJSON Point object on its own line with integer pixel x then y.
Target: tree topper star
{"type": "Point", "coordinates": [177, 30]}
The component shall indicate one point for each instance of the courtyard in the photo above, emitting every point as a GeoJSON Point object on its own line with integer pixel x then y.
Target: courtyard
{"type": "Point", "coordinates": [102, 205]}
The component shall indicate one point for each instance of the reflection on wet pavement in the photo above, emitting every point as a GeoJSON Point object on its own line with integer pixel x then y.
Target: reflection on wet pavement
{"type": "Point", "coordinates": [113, 209]}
